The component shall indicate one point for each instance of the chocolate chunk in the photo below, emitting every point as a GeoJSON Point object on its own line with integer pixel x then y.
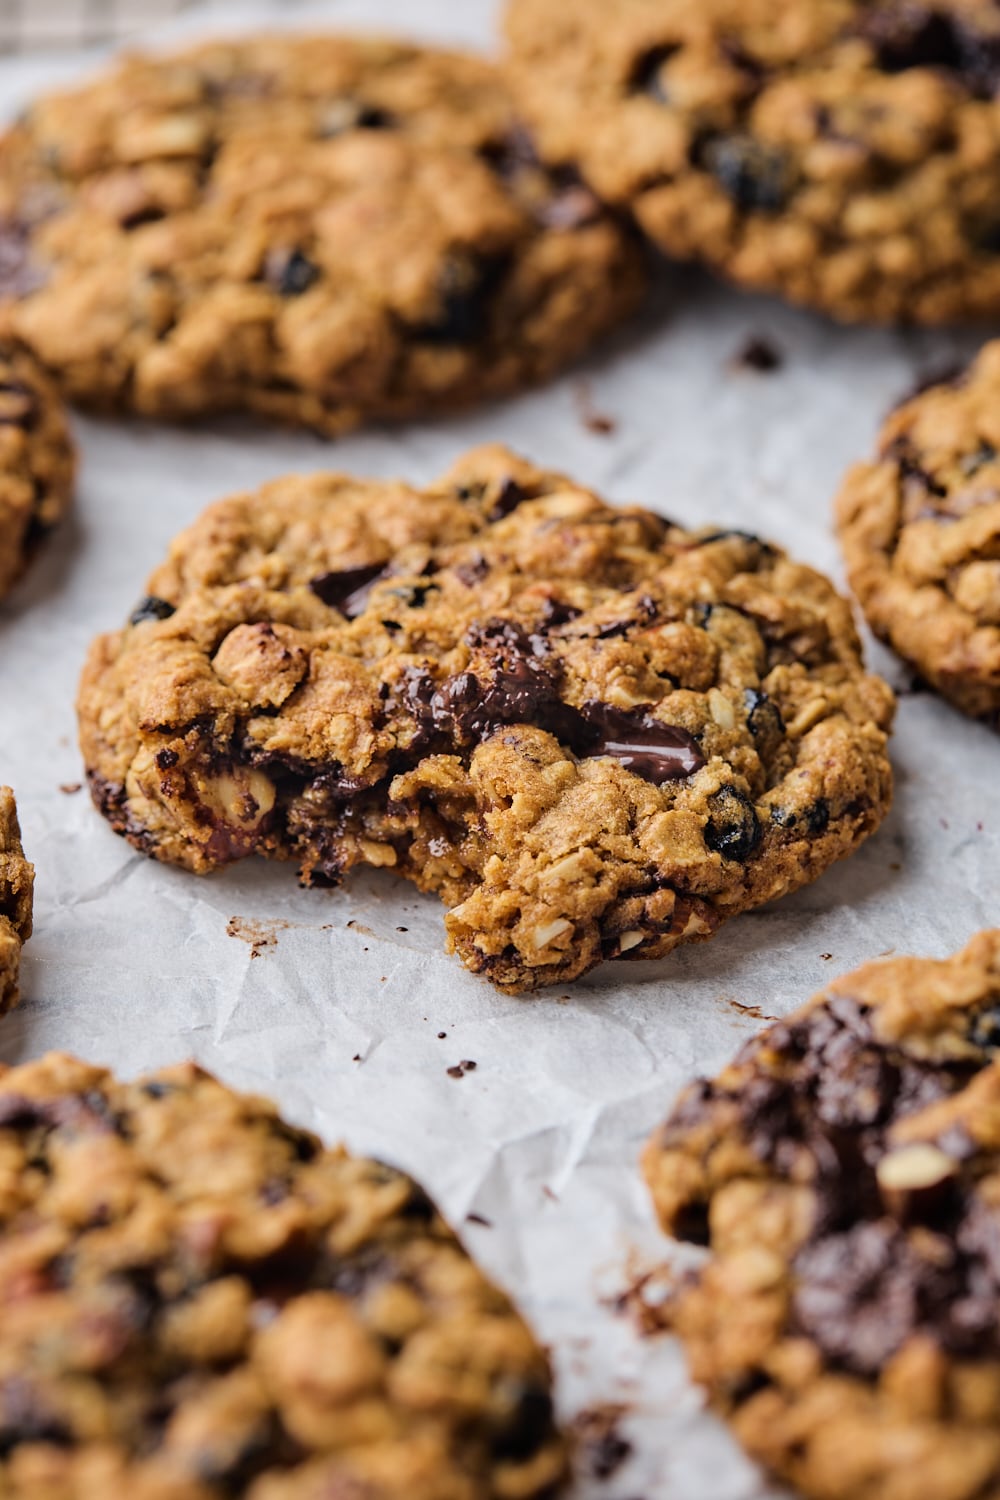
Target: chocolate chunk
{"type": "Point", "coordinates": [509, 496]}
{"type": "Point", "coordinates": [733, 829]}
{"type": "Point", "coordinates": [349, 588]}
{"type": "Point", "coordinates": [152, 608]}
{"type": "Point", "coordinates": [758, 178]}
{"type": "Point", "coordinates": [917, 36]}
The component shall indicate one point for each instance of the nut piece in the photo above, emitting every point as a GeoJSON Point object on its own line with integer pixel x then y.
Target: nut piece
{"type": "Point", "coordinates": [912, 1179]}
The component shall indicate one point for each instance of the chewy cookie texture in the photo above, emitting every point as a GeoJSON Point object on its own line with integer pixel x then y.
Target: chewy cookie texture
{"type": "Point", "coordinates": [920, 530]}
{"type": "Point", "coordinates": [17, 887]}
{"type": "Point", "coordinates": [317, 229]}
{"type": "Point", "coordinates": [37, 460]}
{"type": "Point", "coordinates": [592, 733]}
{"type": "Point", "coordinates": [845, 1173]}
{"type": "Point", "coordinates": [843, 152]}
{"type": "Point", "coordinates": [201, 1303]}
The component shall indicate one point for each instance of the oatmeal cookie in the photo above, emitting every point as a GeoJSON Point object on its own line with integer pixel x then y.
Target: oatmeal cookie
{"type": "Point", "coordinates": [201, 1303]}
{"type": "Point", "coordinates": [844, 1172]}
{"type": "Point", "coordinates": [17, 886]}
{"type": "Point", "coordinates": [318, 229]}
{"type": "Point", "coordinates": [920, 529]}
{"type": "Point", "coordinates": [843, 152]}
{"type": "Point", "coordinates": [37, 460]}
{"type": "Point", "coordinates": [592, 733]}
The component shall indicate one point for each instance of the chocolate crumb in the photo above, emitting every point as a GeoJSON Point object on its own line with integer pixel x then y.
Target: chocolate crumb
{"type": "Point", "coordinates": [759, 354]}
{"type": "Point", "coordinates": [478, 1219]}
{"type": "Point", "coordinates": [600, 1445]}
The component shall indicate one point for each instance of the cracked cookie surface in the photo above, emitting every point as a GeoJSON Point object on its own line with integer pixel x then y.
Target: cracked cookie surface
{"type": "Point", "coordinates": [37, 460]}
{"type": "Point", "coordinates": [200, 1301]}
{"type": "Point", "coordinates": [592, 733]}
{"type": "Point", "coordinates": [844, 1172]}
{"type": "Point", "coordinates": [17, 889]}
{"type": "Point", "coordinates": [318, 229]}
{"type": "Point", "coordinates": [842, 152]}
{"type": "Point", "coordinates": [920, 531]}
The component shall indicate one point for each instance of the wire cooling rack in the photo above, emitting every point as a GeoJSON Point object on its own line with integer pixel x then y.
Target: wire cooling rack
{"type": "Point", "coordinates": [27, 24]}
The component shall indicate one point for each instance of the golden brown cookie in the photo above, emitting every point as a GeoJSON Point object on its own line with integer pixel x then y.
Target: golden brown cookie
{"type": "Point", "coordinates": [594, 734]}
{"type": "Point", "coordinates": [201, 1303]}
{"type": "Point", "coordinates": [920, 529]}
{"type": "Point", "coordinates": [17, 888]}
{"type": "Point", "coordinates": [37, 460]}
{"type": "Point", "coordinates": [844, 1172]}
{"type": "Point", "coordinates": [843, 152]}
{"type": "Point", "coordinates": [320, 229]}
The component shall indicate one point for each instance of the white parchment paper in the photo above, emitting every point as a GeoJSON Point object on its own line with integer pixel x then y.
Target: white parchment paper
{"type": "Point", "coordinates": [338, 1007]}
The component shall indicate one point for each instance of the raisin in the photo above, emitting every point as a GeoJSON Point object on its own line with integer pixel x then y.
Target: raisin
{"type": "Point", "coordinates": [151, 608]}
{"type": "Point", "coordinates": [291, 274]}
{"type": "Point", "coordinates": [528, 1426]}
{"type": "Point", "coordinates": [465, 286]}
{"type": "Point", "coordinates": [757, 177]}
{"type": "Point", "coordinates": [733, 829]}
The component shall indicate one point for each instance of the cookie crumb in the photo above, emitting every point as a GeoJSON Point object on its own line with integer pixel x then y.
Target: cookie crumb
{"type": "Point", "coordinates": [70, 788]}
{"type": "Point", "coordinates": [258, 934]}
{"type": "Point", "coordinates": [593, 420]}
{"type": "Point", "coordinates": [753, 1011]}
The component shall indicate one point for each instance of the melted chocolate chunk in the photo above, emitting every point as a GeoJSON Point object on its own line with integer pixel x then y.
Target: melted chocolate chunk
{"type": "Point", "coordinates": [733, 829]}
{"type": "Point", "coordinates": [645, 746]}
{"type": "Point", "coordinates": [860, 1294]}
{"type": "Point", "coordinates": [757, 177]}
{"type": "Point", "coordinates": [152, 608]}
{"type": "Point", "coordinates": [514, 680]}
{"type": "Point", "coordinates": [348, 589]}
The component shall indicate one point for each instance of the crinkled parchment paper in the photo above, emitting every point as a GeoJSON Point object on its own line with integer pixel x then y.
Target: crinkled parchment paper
{"type": "Point", "coordinates": [334, 1003]}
